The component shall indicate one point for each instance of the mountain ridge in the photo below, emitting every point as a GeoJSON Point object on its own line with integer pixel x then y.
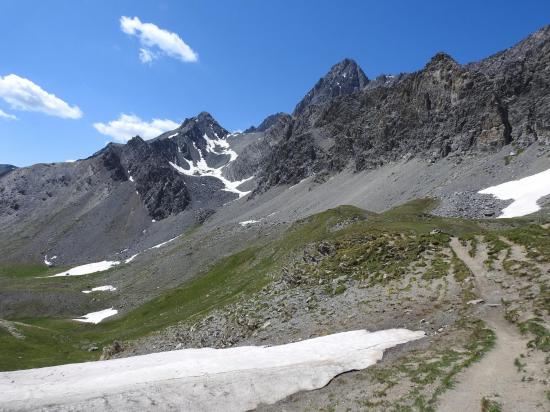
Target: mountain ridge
{"type": "Point", "coordinates": [345, 122]}
{"type": "Point", "coordinates": [443, 109]}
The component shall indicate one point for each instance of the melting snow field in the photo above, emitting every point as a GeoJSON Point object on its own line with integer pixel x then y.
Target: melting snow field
{"type": "Point", "coordinates": [525, 193]}
{"type": "Point", "coordinates": [88, 268]}
{"type": "Point", "coordinates": [234, 379]}
{"type": "Point", "coordinates": [101, 266]}
{"type": "Point", "coordinates": [201, 168]}
{"type": "Point", "coordinates": [96, 317]}
{"type": "Point", "coordinates": [106, 288]}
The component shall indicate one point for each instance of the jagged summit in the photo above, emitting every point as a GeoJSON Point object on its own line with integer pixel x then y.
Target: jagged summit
{"type": "Point", "coordinates": [195, 128]}
{"type": "Point", "coordinates": [203, 118]}
{"type": "Point", "coordinates": [343, 78]}
{"type": "Point", "coordinates": [441, 59]}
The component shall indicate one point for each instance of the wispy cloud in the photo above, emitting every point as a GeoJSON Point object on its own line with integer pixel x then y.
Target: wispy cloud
{"type": "Point", "coordinates": [146, 55]}
{"type": "Point", "coordinates": [23, 94]}
{"type": "Point", "coordinates": [7, 116]}
{"type": "Point", "coordinates": [129, 125]}
{"type": "Point", "coordinates": [153, 37]}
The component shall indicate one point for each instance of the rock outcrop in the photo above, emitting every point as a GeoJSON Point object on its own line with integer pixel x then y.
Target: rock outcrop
{"type": "Point", "coordinates": [445, 109]}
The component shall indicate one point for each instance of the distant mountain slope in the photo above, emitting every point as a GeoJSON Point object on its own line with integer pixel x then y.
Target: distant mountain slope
{"type": "Point", "coordinates": [118, 198]}
{"type": "Point", "coordinates": [6, 169]}
{"type": "Point", "coordinates": [445, 109]}
{"type": "Point", "coordinates": [129, 197]}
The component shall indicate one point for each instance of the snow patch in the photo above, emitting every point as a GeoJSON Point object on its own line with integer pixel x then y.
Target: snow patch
{"type": "Point", "coordinates": [216, 146]}
{"type": "Point", "coordinates": [104, 265]}
{"type": "Point", "coordinates": [173, 135]}
{"type": "Point", "coordinates": [238, 378]}
{"type": "Point", "coordinates": [131, 179]}
{"type": "Point", "coordinates": [201, 168]}
{"type": "Point", "coordinates": [248, 222]}
{"type": "Point", "coordinates": [88, 268]}
{"type": "Point", "coordinates": [96, 317]}
{"type": "Point", "coordinates": [106, 288]}
{"type": "Point", "coordinates": [49, 262]}
{"type": "Point", "coordinates": [164, 243]}
{"type": "Point", "coordinates": [525, 193]}
{"type": "Point", "coordinates": [131, 258]}
{"type": "Point", "coordinates": [212, 144]}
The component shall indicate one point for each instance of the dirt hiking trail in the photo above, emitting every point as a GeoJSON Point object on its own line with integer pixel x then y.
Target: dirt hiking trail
{"type": "Point", "coordinates": [495, 376]}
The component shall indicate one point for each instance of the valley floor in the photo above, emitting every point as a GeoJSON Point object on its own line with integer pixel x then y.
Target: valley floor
{"type": "Point", "coordinates": [477, 289]}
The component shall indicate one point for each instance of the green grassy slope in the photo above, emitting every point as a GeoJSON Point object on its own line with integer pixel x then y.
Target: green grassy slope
{"type": "Point", "coordinates": [56, 341]}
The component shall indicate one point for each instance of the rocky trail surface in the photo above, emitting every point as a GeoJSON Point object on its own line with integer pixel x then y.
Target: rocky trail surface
{"type": "Point", "coordinates": [495, 376]}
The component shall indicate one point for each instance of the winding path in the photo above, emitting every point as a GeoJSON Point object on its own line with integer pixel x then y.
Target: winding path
{"type": "Point", "coordinates": [494, 374]}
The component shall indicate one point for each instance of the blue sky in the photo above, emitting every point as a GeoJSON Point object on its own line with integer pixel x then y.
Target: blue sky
{"type": "Point", "coordinates": [244, 61]}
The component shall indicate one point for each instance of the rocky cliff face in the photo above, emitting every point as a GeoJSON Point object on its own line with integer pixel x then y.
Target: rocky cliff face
{"type": "Point", "coordinates": [343, 78]}
{"type": "Point", "coordinates": [161, 189]}
{"type": "Point", "coordinates": [93, 207]}
{"type": "Point", "coordinates": [445, 109]}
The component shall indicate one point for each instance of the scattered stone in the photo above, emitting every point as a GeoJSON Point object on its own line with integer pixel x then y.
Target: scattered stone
{"type": "Point", "coordinates": [111, 350]}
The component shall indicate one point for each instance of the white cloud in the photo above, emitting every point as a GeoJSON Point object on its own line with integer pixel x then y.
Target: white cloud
{"type": "Point", "coordinates": [7, 116]}
{"type": "Point", "coordinates": [146, 55]}
{"type": "Point", "coordinates": [129, 125]}
{"type": "Point", "coordinates": [151, 36]}
{"type": "Point", "coordinates": [22, 94]}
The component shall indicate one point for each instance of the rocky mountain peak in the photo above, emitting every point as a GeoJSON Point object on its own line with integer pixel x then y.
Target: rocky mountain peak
{"type": "Point", "coordinates": [343, 78]}
{"type": "Point", "coordinates": [441, 60]}
{"type": "Point", "coordinates": [202, 124]}
{"type": "Point", "coordinates": [136, 141]}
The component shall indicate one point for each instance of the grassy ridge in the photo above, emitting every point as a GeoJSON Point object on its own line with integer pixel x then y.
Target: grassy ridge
{"type": "Point", "coordinates": [56, 341]}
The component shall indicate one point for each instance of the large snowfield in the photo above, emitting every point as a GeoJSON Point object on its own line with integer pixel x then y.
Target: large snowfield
{"type": "Point", "coordinates": [525, 193]}
{"type": "Point", "coordinates": [234, 379]}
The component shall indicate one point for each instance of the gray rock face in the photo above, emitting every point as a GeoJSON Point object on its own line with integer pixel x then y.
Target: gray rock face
{"type": "Point", "coordinates": [440, 110]}
{"type": "Point", "coordinates": [161, 188]}
{"type": "Point", "coordinates": [343, 78]}
{"type": "Point", "coordinates": [94, 207]}
{"type": "Point", "coordinates": [471, 205]}
{"type": "Point", "coordinates": [267, 123]}
{"type": "Point", "coordinates": [259, 147]}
